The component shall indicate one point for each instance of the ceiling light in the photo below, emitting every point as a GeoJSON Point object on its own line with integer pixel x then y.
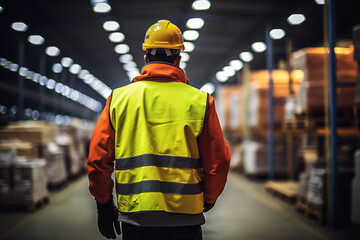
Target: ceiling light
{"type": "Point", "coordinates": [75, 68]}
{"type": "Point", "coordinates": [43, 80]}
{"type": "Point", "coordinates": [66, 61]}
{"type": "Point", "coordinates": [36, 77]}
{"type": "Point", "coordinates": [201, 5]}
{"type": "Point", "coordinates": [50, 84]}
{"type": "Point", "coordinates": [195, 23]}
{"type": "Point", "coordinates": [320, 2]}
{"type": "Point", "coordinates": [36, 39]}
{"type": "Point", "coordinates": [296, 19]}
{"type": "Point", "coordinates": [23, 71]}
{"type": "Point", "coordinates": [3, 61]}
{"type": "Point", "coordinates": [126, 58]}
{"type": "Point", "coordinates": [29, 74]}
{"type": "Point", "coordinates": [229, 71]}
{"type": "Point", "coordinates": [52, 51]}
{"type": "Point", "coordinates": [191, 35]}
{"type": "Point", "coordinates": [246, 56]}
{"type": "Point", "coordinates": [116, 37]}
{"type": "Point", "coordinates": [189, 46]}
{"type": "Point", "coordinates": [111, 26]}
{"type": "Point", "coordinates": [129, 66]}
{"type": "Point", "coordinates": [184, 56]}
{"type": "Point", "coordinates": [132, 74]}
{"type": "Point", "coordinates": [89, 79]}
{"type": "Point", "coordinates": [236, 64]}
{"type": "Point", "coordinates": [14, 67]}
{"type": "Point", "coordinates": [221, 76]}
{"type": "Point", "coordinates": [122, 48]}
{"type": "Point", "coordinates": [57, 68]}
{"type": "Point", "coordinates": [182, 64]}
{"type": "Point", "coordinates": [208, 87]}
{"type": "Point", "coordinates": [100, 6]}
{"type": "Point", "coordinates": [83, 73]}
{"type": "Point", "coordinates": [1, 8]}
{"type": "Point", "coordinates": [19, 26]}
{"type": "Point", "coordinates": [277, 33]}
{"type": "Point", "coordinates": [258, 47]}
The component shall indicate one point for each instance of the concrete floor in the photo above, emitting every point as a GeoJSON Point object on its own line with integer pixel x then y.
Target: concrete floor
{"type": "Point", "coordinates": [244, 211]}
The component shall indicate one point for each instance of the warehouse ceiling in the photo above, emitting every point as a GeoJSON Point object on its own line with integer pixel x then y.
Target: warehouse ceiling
{"type": "Point", "coordinates": [231, 26]}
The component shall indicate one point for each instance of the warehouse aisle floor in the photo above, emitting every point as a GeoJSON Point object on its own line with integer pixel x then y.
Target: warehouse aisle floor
{"type": "Point", "coordinates": [244, 211]}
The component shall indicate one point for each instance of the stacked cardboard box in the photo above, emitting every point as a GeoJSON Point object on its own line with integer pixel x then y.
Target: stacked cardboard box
{"type": "Point", "coordinates": [25, 149]}
{"type": "Point", "coordinates": [72, 159]}
{"type": "Point", "coordinates": [6, 159]}
{"type": "Point", "coordinates": [311, 92]}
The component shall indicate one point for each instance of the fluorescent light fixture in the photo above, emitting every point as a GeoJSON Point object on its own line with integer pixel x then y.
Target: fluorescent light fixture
{"type": "Point", "coordinates": [50, 84]}
{"type": "Point", "coordinates": [221, 76]}
{"type": "Point", "coordinates": [116, 37]}
{"type": "Point", "coordinates": [3, 61]}
{"type": "Point", "coordinates": [52, 51]}
{"type": "Point", "coordinates": [111, 26]}
{"type": "Point", "coordinates": [89, 79]}
{"type": "Point", "coordinates": [129, 66]}
{"type": "Point", "coordinates": [66, 61]}
{"type": "Point", "coordinates": [126, 58]}
{"type": "Point", "coordinates": [36, 39]}
{"type": "Point", "coordinates": [246, 56]}
{"type": "Point", "coordinates": [236, 64]}
{"type": "Point", "coordinates": [57, 68]}
{"type": "Point", "coordinates": [19, 26]}
{"type": "Point", "coordinates": [66, 91]}
{"type": "Point", "coordinates": [195, 23]}
{"type": "Point", "coordinates": [75, 95]}
{"type": "Point", "coordinates": [23, 71]}
{"type": "Point", "coordinates": [201, 5]}
{"type": "Point", "coordinates": [35, 115]}
{"type": "Point", "coordinates": [83, 73]}
{"type": "Point", "coordinates": [43, 80]}
{"type": "Point", "coordinates": [229, 71]}
{"type": "Point", "coordinates": [14, 67]}
{"type": "Point", "coordinates": [122, 48]}
{"type": "Point", "coordinates": [189, 46]}
{"type": "Point", "coordinates": [258, 47]}
{"type": "Point", "coordinates": [277, 33]}
{"type": "Point", "coordinates": [182, 65]}
{"type": "Point", "coordinates": [296, 19]}
{"type": "Point", "coordinates": [320, 2]}
{"type": "Point", "coordinates": [191, 35]}
{"type": "Point", "coordinates": [1, 9]}
{"type": "Point", "coordinates": [75, 68]}
{"type": "Point", "coordinates": [184, 56]}
{"type": "Point", "coordinates": [208, 87]}
{"type": "Point", "coordinates": [29, 75]}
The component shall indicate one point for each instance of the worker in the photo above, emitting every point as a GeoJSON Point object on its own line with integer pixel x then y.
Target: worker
{"type": "Point", "coordinates": [171, 158]}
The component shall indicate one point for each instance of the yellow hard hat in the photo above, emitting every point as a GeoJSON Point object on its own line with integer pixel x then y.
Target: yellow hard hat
{"type": "Point", "coordinates": [163, 34]}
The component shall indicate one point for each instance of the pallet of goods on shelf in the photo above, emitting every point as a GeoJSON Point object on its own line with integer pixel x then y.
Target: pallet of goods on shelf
{"type": "Point", "coordinates": [310, 98]}
{"type": "Point", "coordinates": [73, 161]}
{"type": "Point", "coordinates": [255, 158]}
{"type": "Point", "coordinates": [55, 165]}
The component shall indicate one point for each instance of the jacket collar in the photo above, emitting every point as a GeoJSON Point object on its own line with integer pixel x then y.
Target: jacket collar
{"type": "Point", "coordinates": [161, 72]}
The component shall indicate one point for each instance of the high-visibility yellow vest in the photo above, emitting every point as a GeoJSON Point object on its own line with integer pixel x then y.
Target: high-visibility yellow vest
{"type": "Point", "coordinates": [158, 166]}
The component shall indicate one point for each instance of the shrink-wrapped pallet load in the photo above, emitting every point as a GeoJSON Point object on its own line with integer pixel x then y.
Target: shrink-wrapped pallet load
{"type": "Point", "coordinates": [72, 158]}
{"type": "Point", "coordinates": [29, 181]}
{"type": "Point", "coordinates": [6, 159]}
{"type": "Point", "coordinates": [55, 165]}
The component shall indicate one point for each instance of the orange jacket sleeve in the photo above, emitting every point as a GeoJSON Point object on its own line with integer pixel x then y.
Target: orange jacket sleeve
{"type": "Point", "coordinates": [100, 162]}
{"type": "Point", "coordinates": [215, 155]}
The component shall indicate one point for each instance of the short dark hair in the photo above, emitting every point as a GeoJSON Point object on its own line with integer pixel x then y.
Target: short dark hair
{"type": "Point", "coordinates": [160, 55]}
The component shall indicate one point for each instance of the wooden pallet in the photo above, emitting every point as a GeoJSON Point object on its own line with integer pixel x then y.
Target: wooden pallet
{"type": "Point", "coordinates": [283, 190]}
{"type": "Point", "coordinates": [29, 205]}
{"type": "Point", "coordinates": [313, 214]}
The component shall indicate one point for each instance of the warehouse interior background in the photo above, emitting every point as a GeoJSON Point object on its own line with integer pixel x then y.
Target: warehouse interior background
{"type": "Point", "coordinates": [294, 134]}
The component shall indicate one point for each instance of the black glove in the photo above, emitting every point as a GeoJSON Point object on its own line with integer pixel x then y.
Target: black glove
{"type": "Point", "coordinates": [108, 219]}
{"type": "Point", "coordinates": [208, 206]}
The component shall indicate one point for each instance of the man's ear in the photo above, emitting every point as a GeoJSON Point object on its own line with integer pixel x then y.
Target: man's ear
{"type": "Point", "coordinates": [146, 59]}
{"type": "Point", "coordinates": [177, 61]}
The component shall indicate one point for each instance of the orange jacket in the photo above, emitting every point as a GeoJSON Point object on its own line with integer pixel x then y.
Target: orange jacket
{"type": "Point", "coordinates": [214, 152]}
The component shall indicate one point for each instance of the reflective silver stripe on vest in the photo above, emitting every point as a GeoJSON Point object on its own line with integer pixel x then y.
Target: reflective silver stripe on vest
{"type": "Point", "coordinates": [158, 186]}
{"type": "Point", "coordinates": [158, 161]}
